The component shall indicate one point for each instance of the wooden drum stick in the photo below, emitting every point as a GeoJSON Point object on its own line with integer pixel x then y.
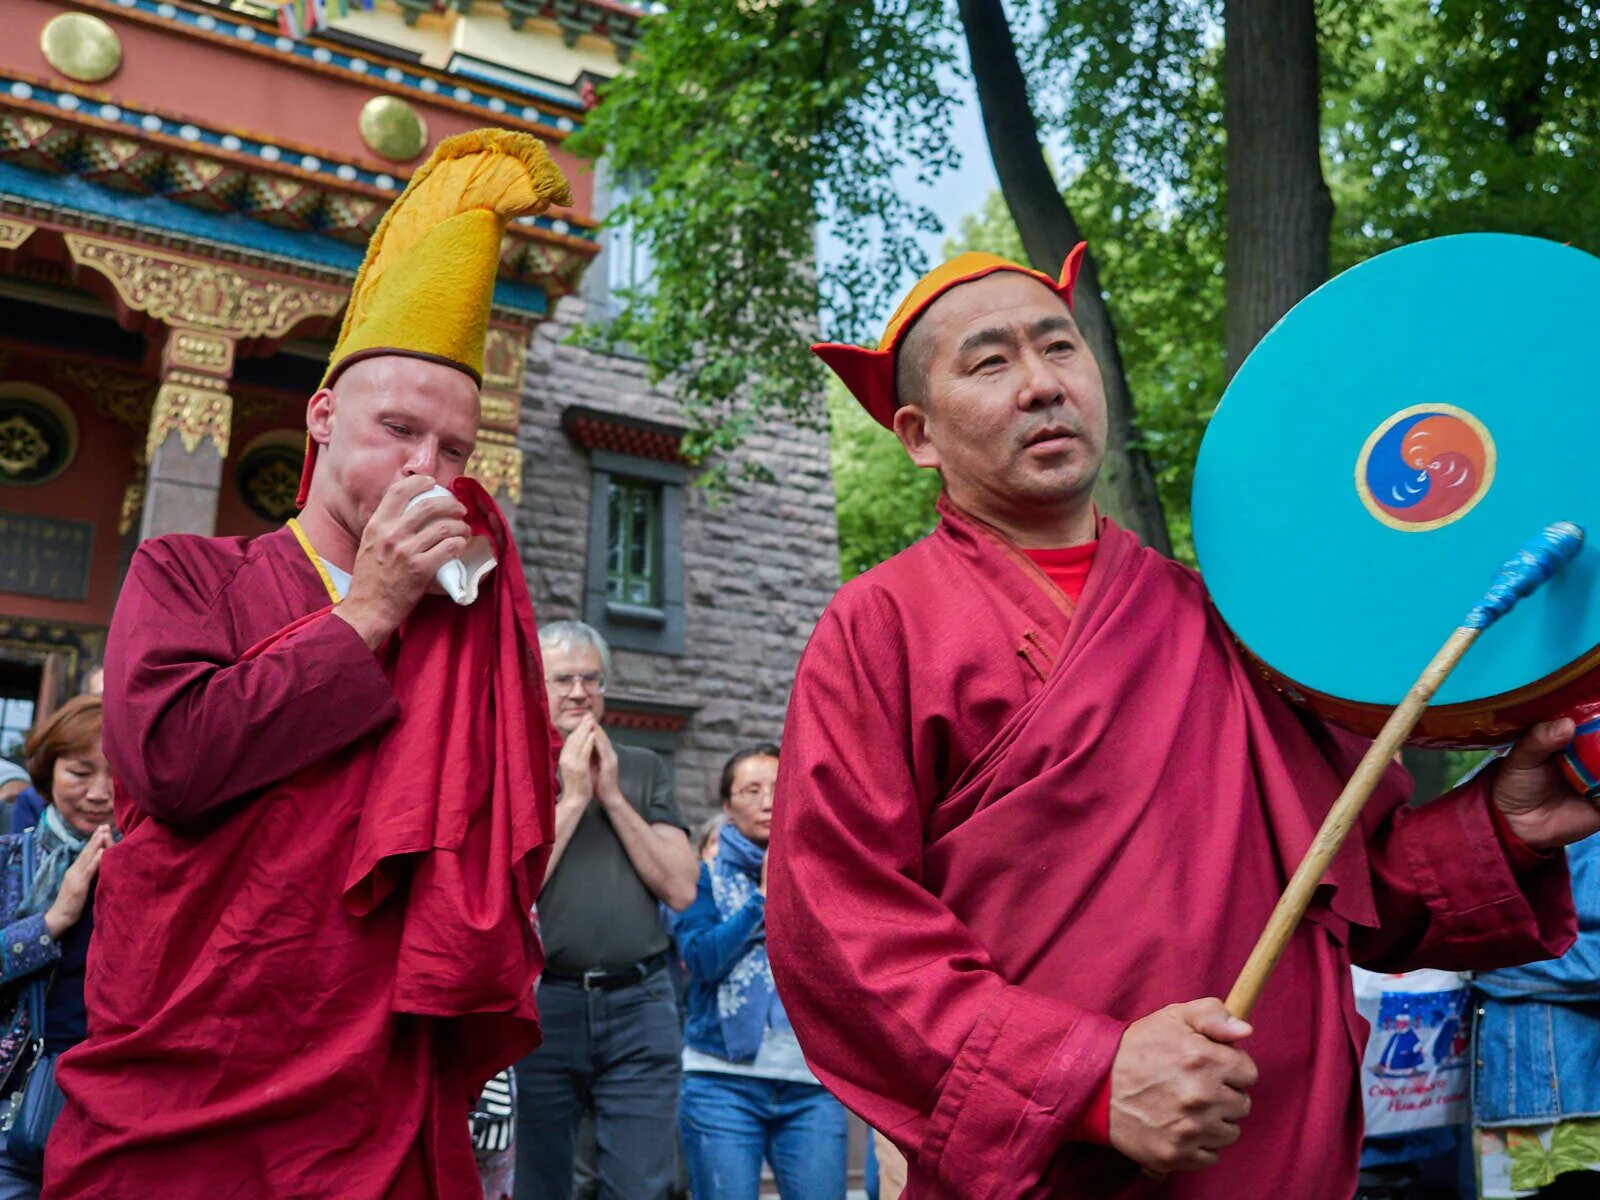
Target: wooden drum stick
{"type": "Point", "coordinates": [1555, 546]}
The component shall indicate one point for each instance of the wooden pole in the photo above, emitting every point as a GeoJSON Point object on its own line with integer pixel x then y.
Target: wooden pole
{"type": "Point", "coordinates": [1340, 820]}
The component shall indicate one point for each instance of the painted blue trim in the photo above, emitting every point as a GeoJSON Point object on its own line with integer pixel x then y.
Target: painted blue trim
{"type": "Point", "coordinates": [159, 213]}
{"type": "Point", "coordinates": [227, 24]}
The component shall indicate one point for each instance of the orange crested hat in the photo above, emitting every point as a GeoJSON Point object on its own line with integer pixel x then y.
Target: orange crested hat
{"type": "Point", "coordinates": [869, 374]}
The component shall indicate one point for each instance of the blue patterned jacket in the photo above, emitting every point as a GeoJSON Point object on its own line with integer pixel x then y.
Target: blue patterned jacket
{"type": "Point", "coordinates": [26, 948]}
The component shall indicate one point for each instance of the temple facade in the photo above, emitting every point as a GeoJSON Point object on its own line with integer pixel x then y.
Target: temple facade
{"type": "Point", "coordinates": [186, 191]}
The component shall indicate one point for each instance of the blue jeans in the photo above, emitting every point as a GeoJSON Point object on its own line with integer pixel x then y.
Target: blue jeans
{"type": "Point", "coordinates": [616, 1052]}
{"type": "Point", "coordinates": [731, 1122]}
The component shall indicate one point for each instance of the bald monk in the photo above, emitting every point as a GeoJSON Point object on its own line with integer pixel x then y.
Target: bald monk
{"type": "Point", "coordinates": [315, 943]}
{"type": "Point", "coordinates": [1034, 809]}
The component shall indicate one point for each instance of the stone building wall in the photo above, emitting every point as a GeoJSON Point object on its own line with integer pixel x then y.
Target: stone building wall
{"type": "Point", "coordinates": [759, 566]}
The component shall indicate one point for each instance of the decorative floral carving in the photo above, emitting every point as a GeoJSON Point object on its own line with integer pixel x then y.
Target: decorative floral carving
{"type": "Point", "coordinates": [504, 352]}
{"type": "Point", "coordinates": [132, 502]}
{"type": "Point", "coordinates": [196, 407]}
{"type": "Point", "coordinates": [22, 445]}
{"type": "Point", "coordinates": [498, 410]}
{"type": "Point", "coordinates": [499, 468]}
{"type": "Point", "coordinates": [274, 488]}
{"type": "Point", "coordinates": [208, 352]}
{"type": "Point", "coordinates": [191, 292]}
{"type": "Point", "coordinates": [14, 232]}
{"type": "Point", "coordinates": [120, 396]}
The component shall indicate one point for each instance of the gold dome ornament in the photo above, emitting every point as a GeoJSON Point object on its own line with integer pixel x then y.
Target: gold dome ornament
{"type": "Point", "coordinates": [392, 129]}
{"type": "Point", "coordinates": [81, 47]}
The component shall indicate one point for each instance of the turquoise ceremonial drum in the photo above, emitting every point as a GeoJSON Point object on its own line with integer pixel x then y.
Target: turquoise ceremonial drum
{"type": "Point", "coordinates": [1394, 439]}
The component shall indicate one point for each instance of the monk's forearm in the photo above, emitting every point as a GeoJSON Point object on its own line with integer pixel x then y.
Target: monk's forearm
{"type": "Point", "coordinates": [660, 854]}
{"type": "Point", "coordinates": [185, 735]}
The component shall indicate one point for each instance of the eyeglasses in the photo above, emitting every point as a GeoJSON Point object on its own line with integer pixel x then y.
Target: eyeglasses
{"type": "Point", "coordinates": [593, 681]}
{"type": "Point", "coordinates": [756, 791]}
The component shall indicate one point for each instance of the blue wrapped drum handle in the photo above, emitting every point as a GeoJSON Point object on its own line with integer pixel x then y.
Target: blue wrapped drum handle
{"type": "Point", "coordinates": [1552, 548]}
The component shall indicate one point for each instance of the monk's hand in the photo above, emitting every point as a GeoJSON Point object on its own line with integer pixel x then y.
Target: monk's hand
{"type": "Point", "coordinates": [67, 909]}
{"type": "Point", "coordinates": [1178, 1086]}
{"type": "Point", "coordinates": [401, 550]}
{"type": "Point", "coordinates": [576, 764]}
{"type": "Point", "coordinates": [1537, 802]}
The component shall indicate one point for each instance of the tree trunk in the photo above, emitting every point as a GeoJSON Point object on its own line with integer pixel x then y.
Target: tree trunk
{"type": "Point", "coordinates": [1279, 209]}
{"type": "Point", "coordinates": [1127, 488]}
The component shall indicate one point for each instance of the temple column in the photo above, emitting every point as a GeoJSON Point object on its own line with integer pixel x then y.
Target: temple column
{"type": "Point", "coordinates": [188, 439]}
{"type": "Point", "coordinates": [497, 463]}
{"type": "Point", "coordinates": [202, 311]}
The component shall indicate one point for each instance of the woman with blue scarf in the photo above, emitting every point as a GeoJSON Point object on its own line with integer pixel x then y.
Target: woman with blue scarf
{"type": "Point", "coordinates": [747, 1092]}
{"type": "Point", "coordinates": [47, 878]}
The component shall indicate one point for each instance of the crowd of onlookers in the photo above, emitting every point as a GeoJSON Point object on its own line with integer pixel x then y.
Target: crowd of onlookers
{"type": "Point", "coordinates": [669, 1068]}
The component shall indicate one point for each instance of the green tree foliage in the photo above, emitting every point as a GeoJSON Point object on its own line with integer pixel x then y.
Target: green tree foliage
{"type": "Point", "coordinates": [753, 118]}
{"type": "Point", "coordinates": [884, 501]}
{"type": "Point", "coordinates": [749, 121]}
{"type": "Point", "coordinates": [1441, 116]}
{"type": "Point", "coordinates": [1452, 116]}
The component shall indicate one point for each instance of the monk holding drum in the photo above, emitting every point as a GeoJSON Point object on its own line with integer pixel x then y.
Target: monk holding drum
{"type": "Point", "coordinates": [1036, 805]}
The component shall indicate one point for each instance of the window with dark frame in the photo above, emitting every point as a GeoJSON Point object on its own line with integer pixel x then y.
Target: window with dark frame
{"type": "Point", "coordinates": [633, 542]}
{"type": "Point", "coordinates": [633, 587]}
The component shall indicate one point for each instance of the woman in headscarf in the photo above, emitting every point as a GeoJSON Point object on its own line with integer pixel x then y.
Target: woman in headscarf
{"type": "Point", "coordinates": [47, 914]}
{"type": "Point", "coordinates": [747, 1092]}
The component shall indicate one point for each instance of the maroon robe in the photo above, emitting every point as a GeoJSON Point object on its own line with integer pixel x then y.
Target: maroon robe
{"type": "Point", "coordinates": [1005, 829]}
{"type": "Point", "coordinates": [314, 944]}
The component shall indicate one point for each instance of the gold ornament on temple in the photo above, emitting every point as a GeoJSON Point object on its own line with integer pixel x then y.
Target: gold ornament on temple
{"type": "Point", "coordinates": [22, 446]}
{"type": "Point", "coordinates": [81, 46]}
{"type": "Point", "coordinates": [392, 129]}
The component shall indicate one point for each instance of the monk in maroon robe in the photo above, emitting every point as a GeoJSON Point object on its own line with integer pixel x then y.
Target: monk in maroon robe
{"type": "Point", "coordinates": [314, 941]}
{"type": "Point", "coordinates": [1034, 809]}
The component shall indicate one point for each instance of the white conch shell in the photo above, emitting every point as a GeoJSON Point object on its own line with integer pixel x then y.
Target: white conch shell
{"type": "Point", "coordinates": [460, 576]}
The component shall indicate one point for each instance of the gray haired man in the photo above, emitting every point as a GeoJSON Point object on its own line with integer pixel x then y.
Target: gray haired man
{"type": "Point", "coordinates": [612, 1040]}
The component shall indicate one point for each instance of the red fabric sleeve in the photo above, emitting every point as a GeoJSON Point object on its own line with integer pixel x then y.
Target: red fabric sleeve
{"type": "Point", "coordinates": [1522, 857]}
{"type": "Point", "coordinates": [188, 726]}
{"type": "Point", "coordinates": [1452, 894]}
{"type": "Point", "coordinates": [1094, 1123]}
{"type": "Point", "coordinates": [901, 1012]}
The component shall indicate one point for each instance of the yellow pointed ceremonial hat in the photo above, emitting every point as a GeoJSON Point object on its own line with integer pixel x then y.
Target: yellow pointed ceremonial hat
{"type": "Point", "coordinates": [425, 286]}
{"type": "Point", "coordinates": [869, 374]}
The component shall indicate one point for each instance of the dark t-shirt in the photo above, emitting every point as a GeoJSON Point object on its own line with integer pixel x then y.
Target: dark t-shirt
{"type": "Point", "coordinates": [596, 913]}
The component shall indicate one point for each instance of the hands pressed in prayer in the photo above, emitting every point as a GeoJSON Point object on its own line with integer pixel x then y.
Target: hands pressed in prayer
{"type": "Point", "coordinates": [401, 551]}
{"type": "Point", "coordinates": [577, 763]}
{"type": "Point", "coordinates": [67, 909]}
{"type": "Point", "coordinates": [1178, 1086]}
{"type": "Point", "coordinates": [1537, 802]}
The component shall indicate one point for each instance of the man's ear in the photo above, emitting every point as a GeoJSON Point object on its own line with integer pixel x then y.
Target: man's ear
{"type": "Point", "coordinates": [911, 427]}
{"type": "Point", "coordinates": [319, 416]}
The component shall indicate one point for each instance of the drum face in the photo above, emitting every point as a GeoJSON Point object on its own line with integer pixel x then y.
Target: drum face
{"type": "Point", "coordinates": [1385, 448]}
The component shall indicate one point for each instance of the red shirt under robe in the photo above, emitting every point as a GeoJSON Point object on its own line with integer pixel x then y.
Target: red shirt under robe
{"type": "Point", "coordinates": [1006, 826]}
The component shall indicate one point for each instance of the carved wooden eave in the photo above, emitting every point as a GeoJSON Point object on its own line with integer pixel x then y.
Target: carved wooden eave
{"type": "Point", "coordinates": [597, 429]}
{"type": "Point", "coordinates": [544, 253]}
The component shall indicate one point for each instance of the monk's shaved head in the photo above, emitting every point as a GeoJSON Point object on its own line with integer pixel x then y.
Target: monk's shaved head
{"type": "Point", "coordinates": [911, 362]}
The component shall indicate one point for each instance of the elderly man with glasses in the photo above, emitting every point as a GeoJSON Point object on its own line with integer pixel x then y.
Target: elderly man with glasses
{"type": "Point", "coordinates": [612, 1038]}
